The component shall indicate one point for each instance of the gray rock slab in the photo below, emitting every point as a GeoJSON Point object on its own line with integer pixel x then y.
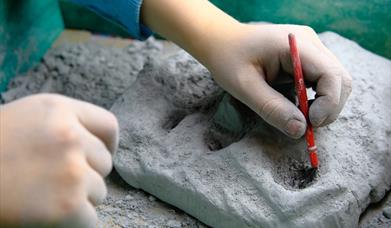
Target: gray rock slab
{"type": "Point", "coordinates": [100, 74]}
{"type": "Point", "coordinates": [188, 143]}
{"type": "Point", "coordinates": [90, 72]}
{"type": "Point", "coordinates": [127, 207]}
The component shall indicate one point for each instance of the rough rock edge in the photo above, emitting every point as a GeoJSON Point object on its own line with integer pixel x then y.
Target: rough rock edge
{"type": "Point", "coordinates": [158, 180]}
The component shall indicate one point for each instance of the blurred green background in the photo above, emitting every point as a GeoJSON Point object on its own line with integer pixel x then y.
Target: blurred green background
{"type": "Point", "coordinates": [366, 21]}
{"type": "Point", "coordinates": [28, 27]}
{"type": "Point", "coordinates": [27, 30]}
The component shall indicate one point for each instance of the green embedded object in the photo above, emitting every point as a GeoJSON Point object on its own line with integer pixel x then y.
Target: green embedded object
{"type": "Point", "coordinates": [27, 30]}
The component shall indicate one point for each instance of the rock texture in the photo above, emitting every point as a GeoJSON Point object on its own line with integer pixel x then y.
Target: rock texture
{"type": "Point", "coordinates": [100, 74]}
{"type": "Point", "coordinates": [187, 143]}
{"type": "Point", "coordinates": [88, 72]}
{"type": "Point", "coordinates": [127, 207]}
{"type": "Point", "coordinates": [377, 215]}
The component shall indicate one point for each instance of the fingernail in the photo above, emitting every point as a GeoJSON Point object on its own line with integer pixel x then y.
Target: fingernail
{"type": "Point", "coordinates": [295, 128]}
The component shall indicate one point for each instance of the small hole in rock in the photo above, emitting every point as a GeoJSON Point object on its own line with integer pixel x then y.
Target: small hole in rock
{"type": "Point", "coordinates": [214, 144]}
{"type": "Point", "coordinates": [295, 174]}
{"type": "Point", "coordinates": [173, 120]}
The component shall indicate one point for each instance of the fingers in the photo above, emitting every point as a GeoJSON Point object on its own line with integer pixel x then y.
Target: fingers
{"type": "Point", "coordinates": [80, 203]}
{"type": "Point", "coordinates": [97, 155]}
{"type": "Point", "coordinates": [99, 122]}
{"type": "Point", "coordinates": [96, 188]}
{"type": "Point", "coordinates": [95, 132]}
{"type": "Point", "coordinates": [333, 83]}
{"type": "Point", "coordinates": [96, 162]}
{"type": "Point", "coordinates": [328, 92]}
{"type": "Point", "coordinates": [85, 216]}
{"type": "Point", "coordinates": [273, 107]}
{"type": "Point", "coordinates": [323, 112]}
{"type": "Point", "coordinates": [98, 133]}
{"type": "Point", "coordinates": [93, 193]}
{"type": "Point", "coordinates": [88, 216]}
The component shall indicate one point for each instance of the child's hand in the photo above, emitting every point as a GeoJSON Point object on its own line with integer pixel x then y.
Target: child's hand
{"type": "Point", "coordinates": [257, 56]}
{"type": "Point", "coordinates": [54, 153]}
{"type": "Point", "coordinates": [246, 59]}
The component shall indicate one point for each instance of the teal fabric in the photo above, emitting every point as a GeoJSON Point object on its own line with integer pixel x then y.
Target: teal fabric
{"type": "Point", "coordinates": [27, 30]}
{"type": "Point", "coordinates": [124, 12]}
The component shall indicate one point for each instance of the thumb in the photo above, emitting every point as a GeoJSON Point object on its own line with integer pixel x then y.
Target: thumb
{"type": "Point", "coordinates": [271, 105]}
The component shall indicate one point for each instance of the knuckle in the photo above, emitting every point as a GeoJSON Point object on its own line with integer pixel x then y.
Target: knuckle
{"type": "Point", "coordinates": [308, 29]}
{"type": "Point", "coordinates": [50, 100]}
{"type": "Point", "coordinates": [70, 193]}
{"type": "Point", "coordinates": [73, 171]}
{"type": "Point", "coordinates": [59, 127]}
{"type": "Point", "coordinates": [69, 205]}
{"type": "Point", "coordinates": [336, 71]}
{"type": "Point", "coordinates": [268, 109]}
{"type": "Point", "coordinates": [64, 134]}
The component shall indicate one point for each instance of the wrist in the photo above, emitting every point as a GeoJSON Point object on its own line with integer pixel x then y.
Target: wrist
{"type": "Point", "coordinates": [214, 41]}
{"type": "Point", "coordinates": [196, 25]}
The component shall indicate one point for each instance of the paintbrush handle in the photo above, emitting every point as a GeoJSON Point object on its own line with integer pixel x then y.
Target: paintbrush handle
{"type": "Point", "coordinates": [303, 100]}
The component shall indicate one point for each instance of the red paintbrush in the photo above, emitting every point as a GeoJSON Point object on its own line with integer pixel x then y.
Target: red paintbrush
{"type": "Point", "coordinates": [303, 103]}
